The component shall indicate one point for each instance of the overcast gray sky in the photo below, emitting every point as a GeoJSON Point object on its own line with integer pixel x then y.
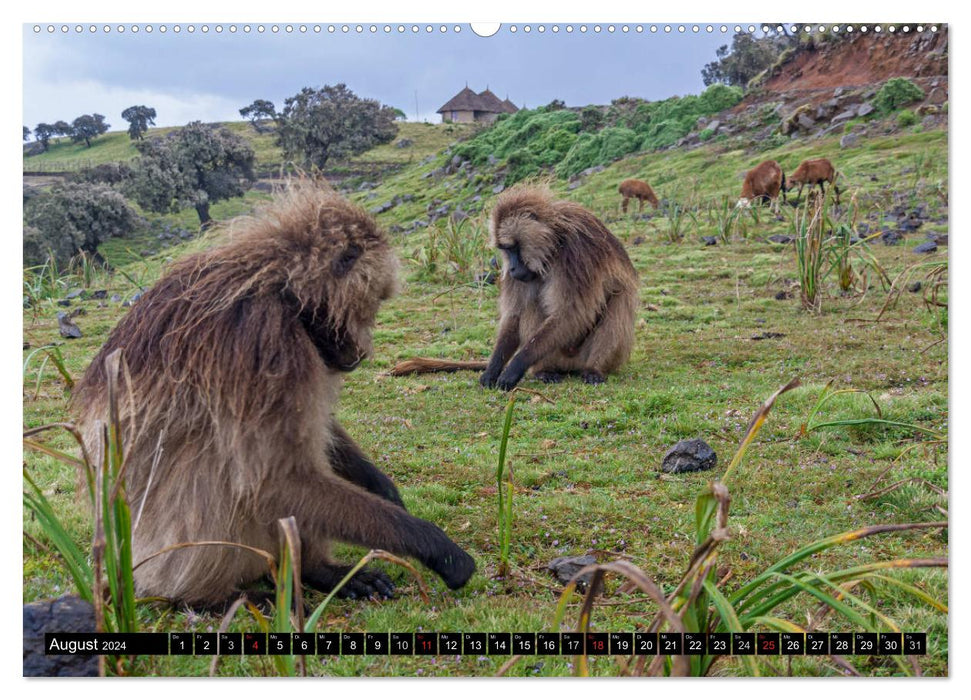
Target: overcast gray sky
{"type": "Point", "coordinates": [210, 76]}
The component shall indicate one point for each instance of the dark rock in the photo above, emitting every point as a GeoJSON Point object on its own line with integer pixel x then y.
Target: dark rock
{"type": "Point", "coordinates": [689, 456]}
{"type": "Point", "coordinates": [939, 238]}
{"type": "Point", "coordinates": [575, 184]}
{"type": "Point", "coordinates": [638, 240]}
{"type": "Point", "coordinates": [709, 240]}
{"type": "Point", "coordinates": [781, 238]}
{"type": "Point", "coordinates": [66, 614]}
{"type": "Point", "coordinates": [843, 116]}
{"type": "Point", "coordinates": [914, 287]}
{"type": "Point", "coordinates": [565, 568]}
{"type": "Point", "coordinates": [891, 237]}
{"type": "Point", "coordinates": [381, 208]}
{"type": "Point", "coordinates": [403, 143]}
{"type": "Point", "coordinates": [116, 298]}
{"type": "Point", "coordinates": [592, 170]}
{"type": "Point", "coordinates": [63, 302]}
{"type": "Point", "coordinates": [865, 109]}
{"type": "Point", "coordinates": [805, 121]}
{"type": "Point", "coordinates": [849, 140]}
{"type": "Point", "coordinates": [74, 294]}
{"type": "Point", "coordinates": [68, 329]}
{"type": "Point", "coordinates": [486, 277]}
{"type": "Point", "coordinates": [926, 247]}
{"type": "Point", "coordinates": [498, 188]}
{"type": "Point", "coordinates": [911, 223]}
{"type": "Point", "coordinates": [783, 295]}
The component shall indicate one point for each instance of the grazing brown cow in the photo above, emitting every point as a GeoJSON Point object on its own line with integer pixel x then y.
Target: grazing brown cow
{"type": "Point", "coordinates": [763, 182]}
{"type": "Point", "coordinates": [815, 172]}
{"type": "Point", "coordinates": [639, 190]}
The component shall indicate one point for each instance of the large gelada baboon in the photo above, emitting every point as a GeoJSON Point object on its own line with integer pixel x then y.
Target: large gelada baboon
{"type": "Point", "coordinates": [567, 296]}
{"type": "Point", "coordinates": [234, 362]}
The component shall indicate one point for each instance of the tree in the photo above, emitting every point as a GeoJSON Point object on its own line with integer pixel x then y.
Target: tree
{"type": "Point", "coordinates": [74, 217]}
{"type": "Point", "coordinates": [193, 166]}
{"type": "Point", "coordinates": [139, 118]}
{"type": "Point", "coordinates": [43, 133]}
{"type": "Point", "coordinates": [62, 128]}
{"type": "Point", "coordinates": [257, 111]}
{"type": "Point", "coordinates": [332, 122]}
{"type": "Point", "coordinates": [87, 127]}
{"type": "Point", "coordinates": [26, 134]}
{"type": "Point", "coordinates": [748, 57]}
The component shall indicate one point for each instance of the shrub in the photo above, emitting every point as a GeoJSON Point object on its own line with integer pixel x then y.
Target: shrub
{"type": "Point", "coordinates": [896, 93]}
{"type": "Point", "coordinates": [706, 134]}
{"type": "Point", "coordinates": [74, 217]}
{"type": "Point", "coordinates": [906, 118]}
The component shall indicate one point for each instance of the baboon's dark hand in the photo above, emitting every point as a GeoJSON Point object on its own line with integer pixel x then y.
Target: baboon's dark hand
{"type": "Point", "coordinates": [512, 375]}
{"type": "Point", "coordinates": [488, 378]}
{"type": "Point", "coordinates": [592, 376]}
{"type": "Point", "coordinates": [453, 565]}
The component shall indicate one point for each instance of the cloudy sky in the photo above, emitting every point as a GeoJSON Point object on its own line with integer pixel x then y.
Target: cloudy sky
{"type": "Point", "coordinates": [209, 76]}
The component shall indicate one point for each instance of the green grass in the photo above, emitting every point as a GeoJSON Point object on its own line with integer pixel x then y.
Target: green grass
{"type": "Point", "coordinates": [586, 464]}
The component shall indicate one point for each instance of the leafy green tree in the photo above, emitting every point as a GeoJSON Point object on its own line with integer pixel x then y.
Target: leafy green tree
{"type": "Point", "coordinates": [748, 57]}
{"type": "Point", "coordinates": [139, 118]}
{"type": "Point", "coordinates": [332, 122]}
{"type": "Point", "coordinates": [87, 127]}
{"type": "Point", "coordinates": [195, 166]}
{"type": "Point", "coordinates": [74, 217]}
{"type": "Point", "coordinates": [43, 133]}
{"type": "Point", "coordinates": [26, 134]}
{"type": "Point", "coordinates": [62, 128]}
{"type": "Point", "coordinates": [257, 112]}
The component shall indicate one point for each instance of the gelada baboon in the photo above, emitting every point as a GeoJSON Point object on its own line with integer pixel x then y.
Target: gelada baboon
{"type": "Point", "coordinates": [639, 190]}
{"type": "Point", "coordinates": [235, 359]}
{"type": "Point", "coordinates": [568, 292]}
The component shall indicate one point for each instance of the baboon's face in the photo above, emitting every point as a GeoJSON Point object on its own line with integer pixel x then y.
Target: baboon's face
{"type": "Point", "coordinates": [373, 279]}
{"type": "Point", "coordinates": [523, 239]}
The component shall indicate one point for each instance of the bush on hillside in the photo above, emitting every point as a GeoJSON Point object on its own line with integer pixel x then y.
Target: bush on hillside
{"type": "Point", "coordinates": [895, 93]}
{"type": "Point", "coordinates": [74, 217]}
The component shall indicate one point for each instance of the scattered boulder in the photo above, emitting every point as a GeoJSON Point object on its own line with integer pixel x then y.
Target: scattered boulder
{"type": "Point", "coordinates": [891, 237]}
{"type": "Point", "coordinates": [404, 143]}
{"type": "Point", "coordinates": [565, 568]}
{"type": "Point", "coordinates": [381, 208]}
{"type": "Point", "coordinates": [69, 329]}
{"type": "Point", "coordinates": [65, 614]}
{"type": "Point", "coordinates": [865, 109]}
{"type": "Point", "coordinates": [914, 287]}
{"type": "Point", "coordinates": [781, 238]}
{"type": "Point", "coordinates": [689, 456]}
{"type": "Point", "coordinates": [926, 247]}
{"type": "Point", "coordinates": [709, 240]}
{"type": "Point", "coordinates": [498, 188]}
{"type": "Point", "coordinates": [849, 140]}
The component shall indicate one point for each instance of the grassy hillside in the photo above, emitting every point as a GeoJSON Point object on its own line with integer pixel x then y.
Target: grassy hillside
{"type": "Point", "coordinates": [114, 146]}
{"type": "Point", "coordinates": [720, 328]}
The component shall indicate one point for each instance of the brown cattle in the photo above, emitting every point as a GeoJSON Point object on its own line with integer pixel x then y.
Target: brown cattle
{"type": "Point", "coordinates": [639, 190]}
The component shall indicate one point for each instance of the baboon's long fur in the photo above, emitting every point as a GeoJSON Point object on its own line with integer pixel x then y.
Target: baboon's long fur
{"type": "Point", "coordinates": [814, 172]}
{"type": "Point", "coordinates": [639, 190]}
{"type": "Point", "coordinates": [763, 182]}
{"type": "Point", "coordinates": [577, 314]}
{"type": "Point", "coordinates": [235, 359]}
